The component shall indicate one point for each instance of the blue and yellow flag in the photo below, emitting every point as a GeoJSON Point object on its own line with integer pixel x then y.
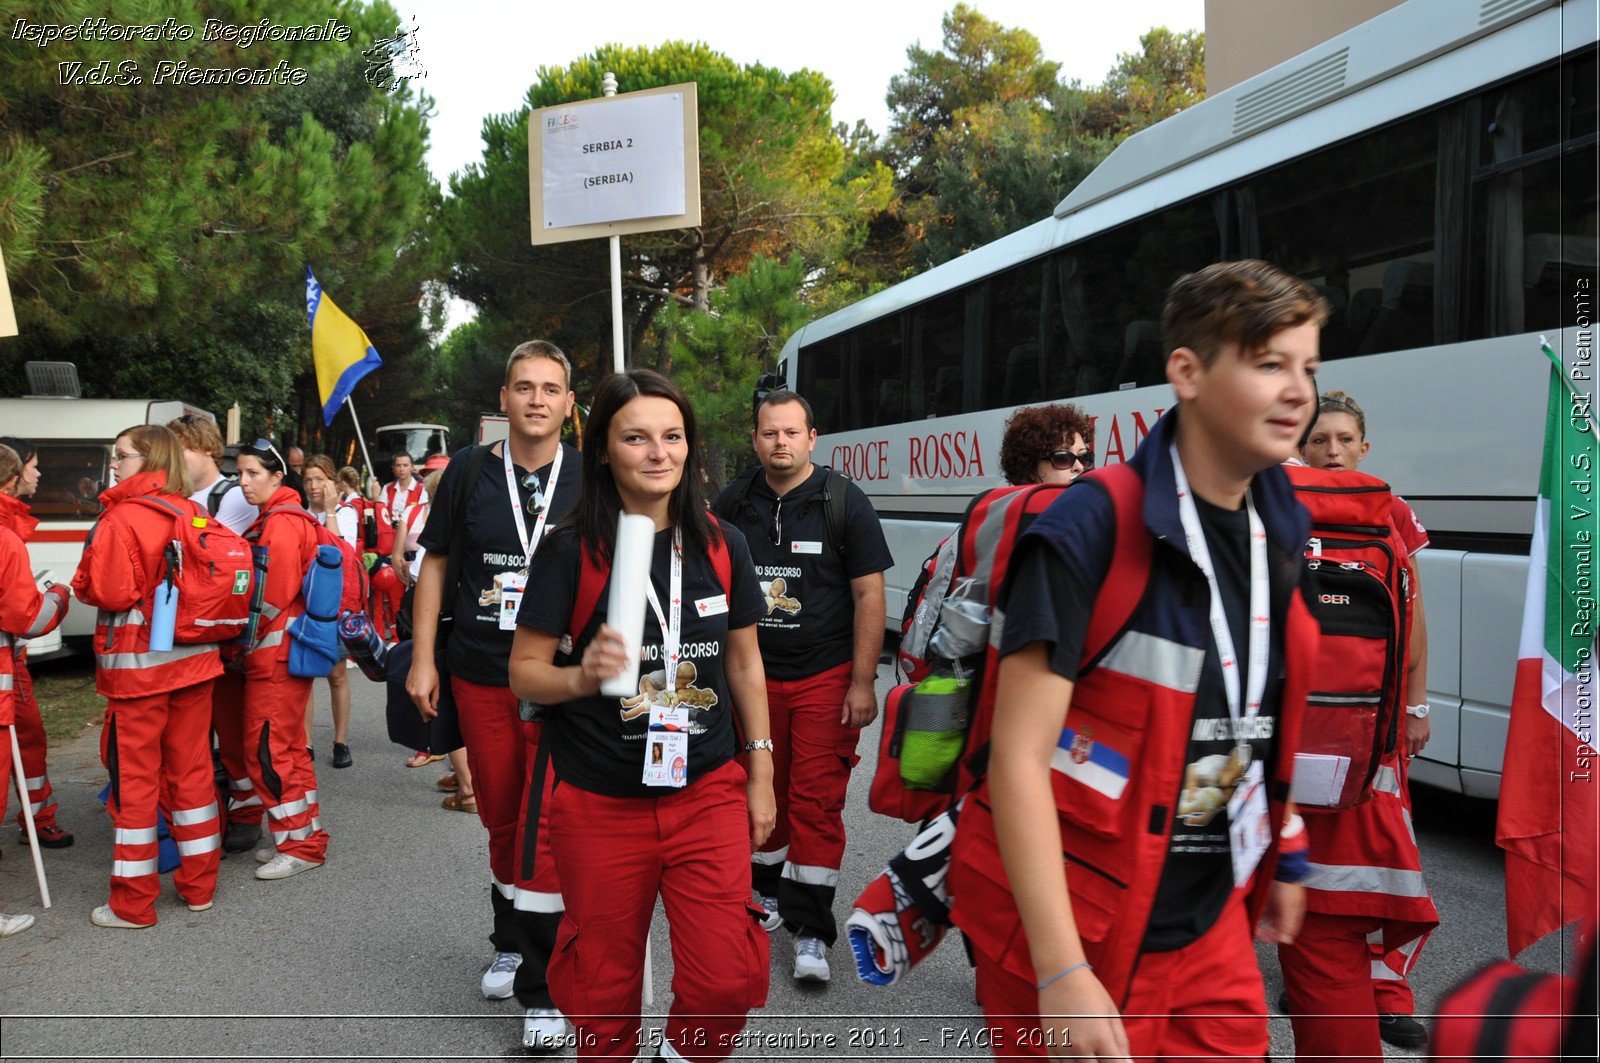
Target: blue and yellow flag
{"type": "Point", "coordinates": [339, 349]}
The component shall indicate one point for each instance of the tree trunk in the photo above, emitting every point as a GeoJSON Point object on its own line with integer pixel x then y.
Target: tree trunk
{"type": "Point", "coordinates": [702, 275]}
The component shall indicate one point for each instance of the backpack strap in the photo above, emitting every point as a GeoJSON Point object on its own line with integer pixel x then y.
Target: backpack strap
{"type": "Point", "coordinates": [215, 495]}
{"type": "Point", "coordinates": [835, 502]}
{"type": "Point", "coordinates": [458, 524]}
{"type": "Point", "coordinates": [592, 576]}
{"type": "Point", "coordinates": [1125, 581]}
{"type": "Point", "coordinates": [159, 506]}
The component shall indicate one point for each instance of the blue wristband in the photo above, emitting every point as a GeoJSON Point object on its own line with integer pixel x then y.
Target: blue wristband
{"type": "Point", "coordinates": [1064, 973]}
{"type": "Point", "coordinates": [1293, 866]}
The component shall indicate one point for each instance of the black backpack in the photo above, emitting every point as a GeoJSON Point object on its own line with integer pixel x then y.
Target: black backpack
{"type": "Point", "coordinates": [218, 489]}
{"type": "Point", "coordinates": [834, 497]}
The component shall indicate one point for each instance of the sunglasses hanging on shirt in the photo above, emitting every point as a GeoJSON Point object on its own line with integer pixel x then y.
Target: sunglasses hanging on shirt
{"type": "Point", "coordinates": [536, 500]}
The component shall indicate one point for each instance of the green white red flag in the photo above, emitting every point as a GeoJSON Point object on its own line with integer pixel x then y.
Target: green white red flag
{"type": "Point", "coordinates": [1549, 782]}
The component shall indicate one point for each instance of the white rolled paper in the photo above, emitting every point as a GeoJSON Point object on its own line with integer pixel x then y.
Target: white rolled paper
{"type": "Point", "coordinates": [630, 573]}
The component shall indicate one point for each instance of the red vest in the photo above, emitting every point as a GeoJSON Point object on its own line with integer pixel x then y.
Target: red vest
{"type": "Point", "coordinates": [24, 613]}
{"type": "Point", "coordinates": [120, 562]}
{"type": "Point", "coordinates": [1139, 699]}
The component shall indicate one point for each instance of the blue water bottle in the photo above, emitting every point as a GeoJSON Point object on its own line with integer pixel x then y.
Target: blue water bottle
{"type": "Point", "coordinates": [164, 615]}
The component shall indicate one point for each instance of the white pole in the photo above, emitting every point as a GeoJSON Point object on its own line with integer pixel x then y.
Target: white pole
{"type": "Point", "coordinates": [609, 88]}
{"type": "Point", "coordinates": [20, 778]}
{"type": "Point", "coordinates": [372, 470]}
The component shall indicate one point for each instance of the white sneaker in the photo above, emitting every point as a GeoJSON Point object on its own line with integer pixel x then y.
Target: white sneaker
{"type": "Point", "coordinates": [811, 960]}
{"type": "Point", "coordinates": [206, 907]}
{"type": "Point", "coordinates": [773, 920]}
{"type": "Point", "coordinates": [14, 924]}
{"type": "Point", "coordinates": [501, 973]}
{"type": "Point", "coordinates": [104, 916]}
{"type": "Point", "coordinates": [543, 1030]}
{"type": "Point", "coordinates": [284, 866]}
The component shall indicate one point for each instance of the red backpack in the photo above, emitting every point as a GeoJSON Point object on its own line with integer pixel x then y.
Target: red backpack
{"type": "Point", "coordinates": [212, 568]}
{"type": "Point", "coordinates": [1358, 584]}
{"type": "Point", "coordinates": [935, 738]}
{"type": "Point", "coordinates": [353, 596]}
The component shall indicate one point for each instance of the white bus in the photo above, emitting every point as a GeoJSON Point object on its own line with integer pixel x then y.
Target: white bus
{"type": "Point", "coordinates": [73, 437]}
{"type": "Point", "coordinates": [1431, 171]}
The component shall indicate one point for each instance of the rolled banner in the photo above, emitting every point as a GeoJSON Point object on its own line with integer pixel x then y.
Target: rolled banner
{"type": "Point", "coordinates": [630, 573]}
{"type": "Point", "coordinates": [361, 639]}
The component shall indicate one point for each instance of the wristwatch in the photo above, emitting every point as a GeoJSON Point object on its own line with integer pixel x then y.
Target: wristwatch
{"type": "Point", "coordinates": [1419, 711]}
{"type": "Point", "coordinates": [759, 743]}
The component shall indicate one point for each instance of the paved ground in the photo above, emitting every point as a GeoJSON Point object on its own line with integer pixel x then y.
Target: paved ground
{"type": "Point", "coordinates": [378, 954]}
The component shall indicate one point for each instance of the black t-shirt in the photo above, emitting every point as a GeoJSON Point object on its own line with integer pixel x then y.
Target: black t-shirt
{"type": "Point", "coordinates": [808, 615]}
{"type": "Point", "coordinates": [479, 651]}
{"type": "Point", "coordinates": [598, 742]}
{"type": "Point", "coordinates": [1049, 596]}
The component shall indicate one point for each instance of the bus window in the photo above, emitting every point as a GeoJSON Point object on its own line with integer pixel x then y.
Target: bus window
{"type": "Point", "coordinates": [1534, 202]}
{"type": "Point", "coordinates": [1357, 221]}
{"type": "Point", "coordinates": [822, 381]}
{"type": "Point", "coordinates": [938, 353]}
{"type": "Point", "coordinates": [71, 477]}
{"type": "Point", "coordinates": [880, 371]}
{"type": "Point", "coordinates": [1018, 314]}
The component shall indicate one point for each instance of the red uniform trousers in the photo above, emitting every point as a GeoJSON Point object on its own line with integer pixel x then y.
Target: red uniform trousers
{"type": "Point", "coordinates": [154, 745]}
{"type": "Point", "coordinates": [1332, 995]}
{"type": "Point", "coordinates": [279, 767]}
{"type": "Point", "coordinates": [527, 909]}
{"type": "Point", "coordinates": [616, 854]}
{"type": "Point", "coordinates": [1204, 1001]}
{"type": "Point", "coordinates": [227, 720]}
{"type": "Point", "coordinates": [811, 761]}
{"type": "Point", "coordinates": [30, 735]}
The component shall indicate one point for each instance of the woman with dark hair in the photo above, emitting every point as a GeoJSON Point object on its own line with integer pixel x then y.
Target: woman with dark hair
{"type": "Point", "coordinates": [1047, 444]}
{"type": "Point", "coordinates": [275, 753]}
{"type": "Point", "coordinates": [322, 492]}
{"type": "Point", "coordinates": [624, 829]}
{"type": "Point", "coordinates": [157, 737]}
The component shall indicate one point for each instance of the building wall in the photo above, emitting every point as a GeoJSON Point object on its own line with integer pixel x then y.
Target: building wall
{"type": "Point", "coordinates": [1245, 37]}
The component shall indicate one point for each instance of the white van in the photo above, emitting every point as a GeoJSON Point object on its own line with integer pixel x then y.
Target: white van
{"type": "Point", "coordinates": [73, 437]}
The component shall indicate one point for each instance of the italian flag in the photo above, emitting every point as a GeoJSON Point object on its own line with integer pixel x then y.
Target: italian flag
{"type": "Point", "coordinates": [1549, 782]}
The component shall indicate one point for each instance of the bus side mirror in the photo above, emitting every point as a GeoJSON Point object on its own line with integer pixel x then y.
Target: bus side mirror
{"type": "Point", "coordinates": [766, 385]}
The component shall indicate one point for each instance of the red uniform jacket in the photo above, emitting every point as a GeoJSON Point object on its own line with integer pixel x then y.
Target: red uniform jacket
{"type": "Point", "coordinates": [120, 564]}
{"type": "Point", "coordinates": [24, 613]}
{"type": "Point", "coordinates": [291, 543]}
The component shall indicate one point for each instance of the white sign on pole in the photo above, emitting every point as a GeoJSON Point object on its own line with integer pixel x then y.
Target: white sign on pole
{"type": "Point", "coordinates": [615, 161]}
{"type": "Point", "coordinates": [8, 317]}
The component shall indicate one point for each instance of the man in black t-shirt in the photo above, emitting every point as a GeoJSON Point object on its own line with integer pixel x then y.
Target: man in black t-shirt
{"type": "Point", "coordinates": [522, 486]}
{"type": "Point", "coordinates": [820, 554]}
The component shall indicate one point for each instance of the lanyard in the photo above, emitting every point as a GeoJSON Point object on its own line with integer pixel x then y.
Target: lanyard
{"type": "Point", "coordinates": [1260, 621]}
{"type": "Point", "coordinates": [671, 633]}
{"type": "Point", "coordinates": [516, 504]}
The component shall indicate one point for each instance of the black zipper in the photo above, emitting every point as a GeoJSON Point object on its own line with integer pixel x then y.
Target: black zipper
{"type": "Point", "coordinates": [1370, 530]}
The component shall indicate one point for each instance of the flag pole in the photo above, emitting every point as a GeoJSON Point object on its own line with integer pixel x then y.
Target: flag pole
{"type": "Point", "coordinates": [18, 777]}
{"type": "Point", "coordinates": [372, 470]}
{"type": "Point", "coordinates": [1572, 389]}
{"type": "Point", "coordinates": [609, 88]}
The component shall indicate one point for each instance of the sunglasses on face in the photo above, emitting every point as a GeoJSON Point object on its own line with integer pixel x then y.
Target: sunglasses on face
{"type": "Point", "coordinates": [1063, 460]}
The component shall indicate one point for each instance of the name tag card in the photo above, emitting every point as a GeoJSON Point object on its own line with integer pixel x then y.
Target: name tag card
{"type": "Point", "coordinates": [713, 606]}
{"type": "Point", "coordinates": [666, 746]}
{"type": "Point", "coordinates": [511, 589]}
{"type": "Point", "coordinates": [802, 546]}
{"type": "Point", "coordinates": [1249, 828]}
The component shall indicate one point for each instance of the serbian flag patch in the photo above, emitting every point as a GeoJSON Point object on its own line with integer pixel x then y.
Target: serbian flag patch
{"type": "Point", "coordinates": [1080, 756]}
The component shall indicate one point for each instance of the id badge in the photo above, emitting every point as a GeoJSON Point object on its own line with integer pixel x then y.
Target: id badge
{"type": "Point", "coordinates": [511, 588]}
{"type": "Point", "coordinates": [1249, 828]}
{"type": "Point", "coordinates": [666, 746]}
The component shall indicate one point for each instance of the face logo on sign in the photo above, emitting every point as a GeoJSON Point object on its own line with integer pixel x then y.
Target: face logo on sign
{"type": "Point", "coordinates": [1082, 744]}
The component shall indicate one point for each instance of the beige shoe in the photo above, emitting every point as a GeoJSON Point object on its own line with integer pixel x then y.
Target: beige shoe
{"type": "Point", "coordinates": [14, 924]}
{"type": "Point", "coordinates": [206, 907]}
{"type": "Point", "coordinates": [104, 916]}
{"type": "Point", "coordinates": [284, 866]}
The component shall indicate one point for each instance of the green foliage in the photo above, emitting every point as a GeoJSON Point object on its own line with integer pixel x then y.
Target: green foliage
{"type": "Point", "coordinates": [985, 140]}
{"type": "Point", "coordinates": [775, 179]}
{"type": "Point", "coordinates": [716, 355]}
{"type": "Point", "coordinates": [158, 234]}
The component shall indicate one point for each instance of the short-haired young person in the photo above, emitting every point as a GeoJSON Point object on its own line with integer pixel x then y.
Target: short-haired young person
{"type": "Point", "coordinates": [1138, 943]}
{"type": "Point", "coordinates": [526, 483]}
{"type": "Point", "coordinates": [15, 488]}
{"type": "Point", "coordinates": [820, 638]}
{"type": "Point", "coordinates": [202, 454]}
{"type": "Point", "coordinates": [405, 491]}
{"type": "Point", "coordinates": [156, 742]}
{"type": "Point", "coordinates": [1368, 911]}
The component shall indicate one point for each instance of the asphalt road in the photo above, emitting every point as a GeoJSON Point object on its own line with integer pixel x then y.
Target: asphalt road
{"type": "Point", "coordinates": [378, 954]}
